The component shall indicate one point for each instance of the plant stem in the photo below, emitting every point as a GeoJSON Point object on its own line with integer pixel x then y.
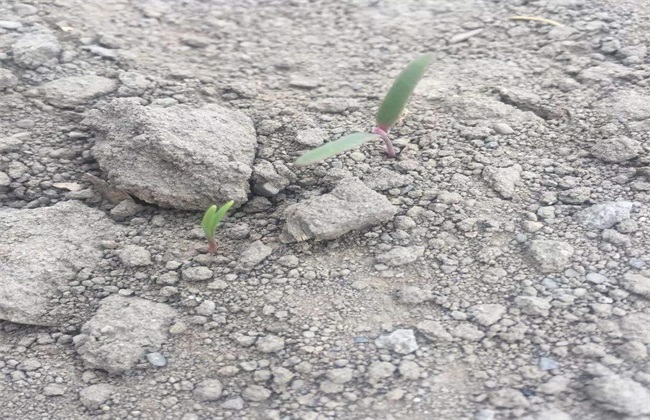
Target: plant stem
{"type": "Point", "coordinates": [212, 246]}
{"type": "Point", "coordinates": [383, 133]}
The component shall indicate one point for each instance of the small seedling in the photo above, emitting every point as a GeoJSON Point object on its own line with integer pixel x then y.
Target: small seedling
{"type": "Point", "coordinates": [389, 113]}
{"type": "Point", "coordinates": [211, 220]}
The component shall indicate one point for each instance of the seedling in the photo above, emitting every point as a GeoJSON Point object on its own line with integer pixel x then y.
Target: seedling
{"type": "Point", "coordinates": [389, 113]}
{"type": "Point", "coordinates": [211, 220]}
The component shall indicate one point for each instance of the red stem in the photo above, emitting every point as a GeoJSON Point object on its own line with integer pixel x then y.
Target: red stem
{"type": "Point", "coordinates": [382, 131]}
{"type": "Point", "coordinates": [212, 246]}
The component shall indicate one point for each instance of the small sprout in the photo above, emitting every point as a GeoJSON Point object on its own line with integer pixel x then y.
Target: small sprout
{"type": "Point", "coordinates": [389, 113]}
{"type": "Point", "coordinates": [211, 220]}
{"type": "Point", "coordinates": [334, 148]}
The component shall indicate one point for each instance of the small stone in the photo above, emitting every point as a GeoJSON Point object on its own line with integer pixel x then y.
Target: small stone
{"type": "Point", "coordinates": [401, 255]}
{"type": "Point", "coordinates": [312, 137]}
{"type": "Point", "coordinates": [93, 396]}
{"type": "Point", "coordinates": [270, 344]}
{"type": "Point", "coordinates": [410, 370]}
{"type": "Point", "coordinates": [400, 341]}
{"type": "Point", "coordinates": [468, 332]}
{"type": "Point", "coordinates": [256, 393]}
{"type": "Point", "coordinates": [487, 314]}
{"type": "Point", "coordinates": [254, 254]}
{"type": "Point", "coordinates": [135, 256]}
{"type": "Point", "coordinates": [157, 359]}
{"type": "Point", "coordinates": [632, 351]}
{"type": "Point", "coordinates": [508, 398]}
{"type": "Point", "coordinates": [555, 385]}
{"type": "Point", "coordinates": [53, 390]}
{"type": "Point", "coordinates": [36, 49]}
{"type": "Point", "coordinates": [126, 209]}
{"type": "Point", "coordinates": [635, 327]}
{"type": "Point", "coordinates": [503, 128]}
{"type": "Point", "coordinates": [7, 79]}
{"type": "Point", "coordinates": [637, 283]}
{"type": "Point", "coordinates": [340, 376]}
{"type": "Point", "coordinates": [552, 414]}
{"type": "Point", "coordinates": [531, 305]}
{"type": "Point", "coordinates": [329, 387]}
{"type": "Point", "coordinates": [503, 180]}
{"type": "Point", "coordinates": [604, 215]}
{"type": "Point", "coordinates": [616, 149]}
{"type": "Point", "coordinates": [546, 363]}
{"type": "Point", "coordinates": [69, 92]}
{"type": "Point", "coordinates": [577, 195]}
{"type": "Point", "coordinates": [412, 295]}
{"type": "Point", "coordinates": [199, 273]}
{"type": "Point", "coordinates": [621, 395]}
{"type": "Point", "coordinates": [551, 256]}
{"type": "Point", "coordinates": [434, 331]}
{"type": "Point", "coordinates": [208, 390]}
{"type": "Point", "coordinates": [380, 370]}
{"type": "Point", "coordinates": [236, 404]}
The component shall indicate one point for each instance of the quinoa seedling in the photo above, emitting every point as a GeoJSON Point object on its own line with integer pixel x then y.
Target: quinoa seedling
{"type": "Point", "coordinates": [389, 113]}
{"type": "Point", "coordinates": [211, 220]}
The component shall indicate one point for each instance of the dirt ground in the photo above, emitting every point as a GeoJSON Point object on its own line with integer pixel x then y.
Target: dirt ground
{"type": "Point", "coordinates": [507, 277]}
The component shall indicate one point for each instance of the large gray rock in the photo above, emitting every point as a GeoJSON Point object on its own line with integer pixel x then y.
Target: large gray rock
{"type": "Point", "coordinates": [36, 49]}
{"type": "Point", "coordinates": [116, 337]}
{"type": "Point", "coordinates": [40, 251]}
{"type": "Point", "coordinates": [621, 395]}
{"type": "Point", "coordinates": [350, 206]}
{"type": "Point", "coordinates": [604, 215]}
{"type": "Point", "coordinates": [70, 92]}
{"type": "Point", "coordinates": [178, 156]}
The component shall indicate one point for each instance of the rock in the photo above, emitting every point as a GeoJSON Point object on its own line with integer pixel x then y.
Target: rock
{"type": "Point", "coordinates": [401, 255]}
{"type": "Point", "coordinates": [400, 341]}
{"type": "Point", "coordinates": [508, 398]}
{"type": "Point", "coordinates": [468, 332]}
{"type": "Point", "coordinates": [385, 179]}
{"type": "Point", "coordinates": [303, 82]}
{"type": "Point", "coordinates": [340, 376]}
{"type": "Point", "coordinates": [254, 254]}
{"type": "Point", "coordinates": [632, 351]}
{"type": "Point", "coordinates": [410, 370]}
{"type": "Point", "coordinates": [637, 283]}
{"type": "Point", "coordinates": [503, 128]}
{"type": "Point", "coordinates": [256, 393]}
{"type": "Point", "coordinates": [157, 359]}
{"type": "Point", "coordinates": [604, 215]}
{"type": "Point", "coordinates": [555, 385]}
{"type": "Point", "coordinates": [434, 331]}
{"type": "Point", "coordinates": [503, 180]}
{"type": "Point", "coordinates": [270, 343]}
{"type": "Point", "coordinates": [464, 36]}
{"type": "Point", "coordinates": [634, 326]}
{"type": "Point", "coordinates": [616, 149]}
{"type": "Point", "coordinates": [116, 337]}
{"type": "Point", "coordinates": [546, 363]}
{"type": "Point", "coordinates": [11, 144]}
{"type": "Point", "coordinates": [70, 92]}
{"type": "Point", "coordinates": [135, 256]}
{"type": "Point", "coordinates": [266, 181]}
{"type": "Point", "coordinates": [7, 79]}
{"type": "Point", "coordinates": [93, 396]}
{"type": "Point", "coordinates": [312, 137]}
{"type": "Point", "coordinates": [621, 395]}
{"type": "Point", "coordinates": [198, 273]}
{"type": "Point", "coordinates": [36, 49]}
{"type": "Point", "coordinates": [53, 390]}
{"type": "Point", "coordinates": [157, 155]}
{"type": "Point", "coordinates": [551, 256]}
{"type": "Point", "coordinates": [350, 206]}
{"type": "Point", "coordinates": [208, 390]}
{"type": "Point", "coordinates": [133, 84]}
{"type": "Point", "coordinates": [125, 209]}
{"type": "Point", "coordinates": [487, 314]}
{"type": "Point", "coordinates": [576, 195]}
{"type": "Point", "coordinates": [236, 404]}
{"type": "Point", "coordinates": [531, 305]}
{"type": "Point", "coordinates": [41, 250]}
{"type": "Point", "coordinates": [552, 413]}
{"type": "Point", "coordinates": [380, 370]}
{"type": "Point", "coordinates": [412, 295]}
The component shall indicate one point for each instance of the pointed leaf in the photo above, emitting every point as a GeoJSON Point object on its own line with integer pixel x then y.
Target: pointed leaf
{"type": "Point", "coordinates": [208, 222]}
{"type": "Point", "coordinates": [396, 98]}
{"type": "Point", "coordinates": [334, 148]}
{"type": "Point", "coordinates": [222, 212]}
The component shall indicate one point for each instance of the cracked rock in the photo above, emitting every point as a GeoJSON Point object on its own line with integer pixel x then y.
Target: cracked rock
{"type": "Point", "coordinates": [180, 157]}
{"type": "Point", "coordinates": [116, 337]}
{"type": "Point", "coordinates": [350, 206]}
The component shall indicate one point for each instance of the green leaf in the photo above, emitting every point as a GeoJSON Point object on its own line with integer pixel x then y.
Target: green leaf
{"type": "Point", "coordinates": [396, 98]}
{"type": "Point", "coordinates": [334, 148]}
{"type": "Point", "coordinates": [213, 217]}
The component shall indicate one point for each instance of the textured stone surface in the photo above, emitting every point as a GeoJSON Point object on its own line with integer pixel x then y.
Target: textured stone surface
{"type": "Point", "coordinates": [69, 92]}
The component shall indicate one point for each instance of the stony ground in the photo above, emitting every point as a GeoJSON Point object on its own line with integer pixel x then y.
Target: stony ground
{"type": "Point", "coordinates": [497, 269]}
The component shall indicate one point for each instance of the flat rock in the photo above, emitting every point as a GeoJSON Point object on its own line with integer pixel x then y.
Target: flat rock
{"type": "Point", "coordinates": [621, 395]}
{"type": "Point", "coordinates": [350, 206]}
{"type": "Point", "coordinates": [116, 337]}
{"type": "Point", "coordinates": [40, 251]}
{"type": "Point", "coordinates": [178, 156]}
{"type": "Point", "coordinates": [70, 92]}
{"type": "Point", "coordinates": [551, 256]}
{"type": "Point", "coordinates": [36, 49]}
{"type": "Point", "coordinates": [604, 215]}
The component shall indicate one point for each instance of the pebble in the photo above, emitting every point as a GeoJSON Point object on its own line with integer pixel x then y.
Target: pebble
{"type": "Point", "coordinates": [400, 341]}
{"type": "Point", "coordinates": [620, 395]}
{"type": "Point", "coordinates": [199, 273]}
{"type": "Point", "coordinates": [270, 344]}
{"type": "Point", "coordinates": [256, 393]}
{"type": "Point", "coordinates": [208, 390]}
{"type": "Point", "coordinates": [551, 256]}
{"type": "Point", "coordinates": [157, 359]}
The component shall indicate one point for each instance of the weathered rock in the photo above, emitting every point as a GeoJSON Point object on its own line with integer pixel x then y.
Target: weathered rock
{"type": "Point", "coordinates": [621, 395]}
{"type": "Point", "coordinates": [93, 396]}
{"type": "Point", "coordinates": [135, 256]}
{"type": "Point", "coordinates": [616, 149]}
{"type": "Point", "coordinates": [256, 393]}
{"type": "Point", "coordinates": [254, 254]}
{"type": "Point", "coordinates": [434, 331]}
{"type": "Point", "coordinates": [634, 326]}
{"type": "Point", "coordinates": [350, 206]}
{"type": "Point", "coordinates": [40, 251]}
{"type": "Point", "coordinates": [208, 390]}
{"type": "Point", "coordinates": [116, 337]}
{"type": "Point", "coordinates": [266, 180]}
{"type": "Point", "coordinates": [604, 215]}
{"type": "Point", "coordinates": [7, 79]}
{"type": "Point", "coordinates": [401, 255]}
{"type": "Point", "coordinates": [176, 156]}
{"type": "Point", "coordinates": [69, 92]}
{"type": "Point", "coordinates": [400, 341]}
{"type": "Point", "coordinates": [637, 283]}
{"type": "Point", "coordinates": [488, 313]}
{"type": "Point", "coordinates": [468, 332]}
{"type": "Point", "coordinates": [36, 49]}
{"type": "Point", "coordinates": [508, 398]}
{"type": "Point", "coordinates": [311, 137]}
{"type": "Point", "coordinates": [531, 305]}
{"type": "Point", "coordinates": [551, 256]}
{"type": "Point", "coordinates": [503, 180]}
{"type": "Point", "coordinates": [576, 195]}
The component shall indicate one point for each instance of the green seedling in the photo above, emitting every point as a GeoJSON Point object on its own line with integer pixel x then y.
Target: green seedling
{"type": "Point", "coordinates": [211, 220]}
{"type": "Point", "coordinates": [389, 113]}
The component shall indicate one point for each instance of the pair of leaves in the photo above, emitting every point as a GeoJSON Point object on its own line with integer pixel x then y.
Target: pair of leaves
{"type": "Point", "coordinates": [389, 112]}
{"type": "Point", "coordinates": [212, 218]}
